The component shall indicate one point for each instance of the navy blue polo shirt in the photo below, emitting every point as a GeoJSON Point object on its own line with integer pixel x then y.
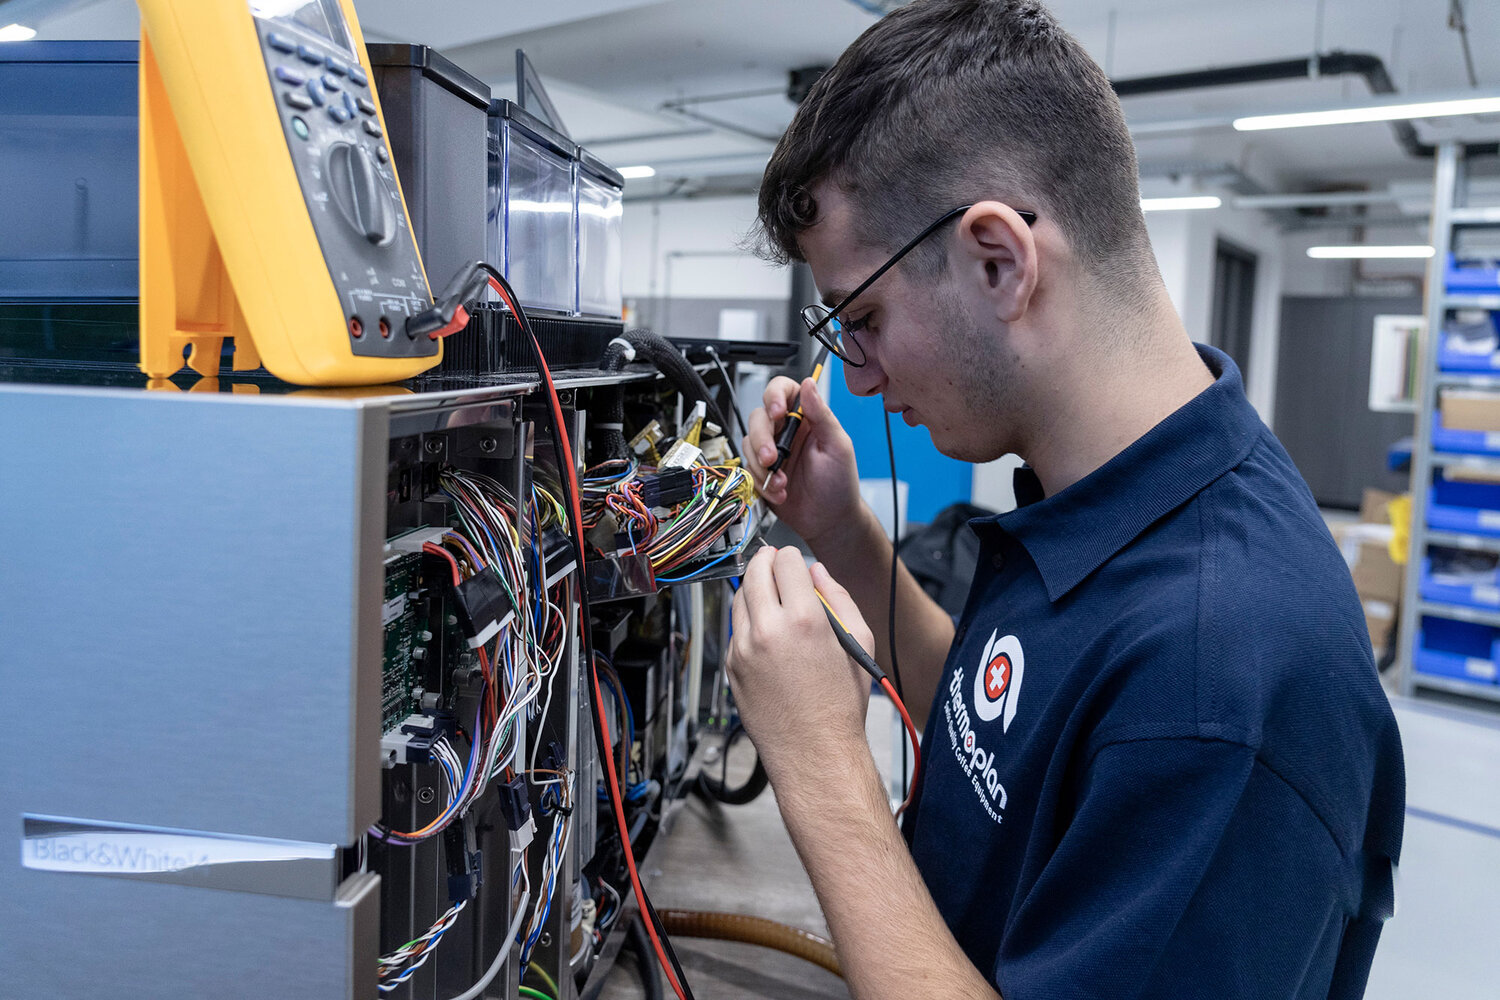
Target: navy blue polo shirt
{"type": "Point", "coordinates": [1160, 763]}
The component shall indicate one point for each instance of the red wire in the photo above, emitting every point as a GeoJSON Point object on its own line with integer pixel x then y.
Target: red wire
{"type": "Point", "coordinates": [911, 734]}
{"type": "Point", "coordinates": [569, 471]}
{"type": "Point", "coordinates": [438, 550]}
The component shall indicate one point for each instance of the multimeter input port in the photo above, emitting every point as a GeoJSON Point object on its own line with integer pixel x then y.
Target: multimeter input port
{"type": "Point", "coordinates": [356, 328]}
{"type": "Point", "coordinates": [385, 327]}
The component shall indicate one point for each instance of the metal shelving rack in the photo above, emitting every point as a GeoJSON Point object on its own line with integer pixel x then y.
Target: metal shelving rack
{"type": "Point", "coordinates": [1448, 213]}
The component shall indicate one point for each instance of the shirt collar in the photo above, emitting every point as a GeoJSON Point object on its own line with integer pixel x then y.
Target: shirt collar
{"type": "Point", "coordinates": [1073, 533]}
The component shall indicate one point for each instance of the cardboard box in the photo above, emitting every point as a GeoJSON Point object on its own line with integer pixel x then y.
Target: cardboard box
{"type": "Point", "coordinates": [1468, 410]}
{"type": "Point", "coordinates": [1373, 506]}
{"type": "Point", "coordinates": [1376, 575]}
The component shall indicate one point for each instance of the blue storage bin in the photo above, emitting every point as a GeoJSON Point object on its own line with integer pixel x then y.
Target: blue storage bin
{"type": "Point", "coordinates": [1485, 596]}
{"type": "Point", "coordinates": [1477, 277]}
{"type": "Point", "coordinates": [1468, 508]}
{"type": "Point", "coordinates": [1450, 360]}
{"type": "Point", "coordinates": [1464, 650]}
{"type": "Point", "coordinates": [1465, 442]}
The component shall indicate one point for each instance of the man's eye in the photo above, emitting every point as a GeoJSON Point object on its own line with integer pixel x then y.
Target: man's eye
{"type": "Point", "coordinates": [855, 325]}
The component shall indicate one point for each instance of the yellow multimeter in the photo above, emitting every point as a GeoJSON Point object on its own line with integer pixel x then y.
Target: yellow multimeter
{"type": "Point", "coordinates": [270, 209]}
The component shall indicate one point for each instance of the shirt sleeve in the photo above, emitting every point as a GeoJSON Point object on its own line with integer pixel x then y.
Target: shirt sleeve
{"type": "Point", "coordinates": [1188, 869]}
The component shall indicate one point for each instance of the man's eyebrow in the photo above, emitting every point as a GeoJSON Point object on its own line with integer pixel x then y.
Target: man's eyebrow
{"type": "Point", "coordinates": [834, 296]}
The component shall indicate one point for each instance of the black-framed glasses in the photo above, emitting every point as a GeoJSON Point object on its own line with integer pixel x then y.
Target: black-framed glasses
{"type": "Point", "coordinates": [821, 321]}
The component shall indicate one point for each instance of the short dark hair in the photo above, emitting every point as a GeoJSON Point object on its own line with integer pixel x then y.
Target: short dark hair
{"type": "Point", "coordinates": [945, 102]}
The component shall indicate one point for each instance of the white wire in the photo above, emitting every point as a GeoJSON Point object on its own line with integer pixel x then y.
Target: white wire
{"type": "Point", "coordinates": [499, 962]}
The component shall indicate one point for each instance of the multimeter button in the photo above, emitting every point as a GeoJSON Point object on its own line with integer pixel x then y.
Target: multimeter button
{"type": "Point", "coordinates": [332, 82]}
{"type": "Point", "coordinates": [315, 91]}
{"type": "Point", "coordinates": [382, 155]}
{"type": "Point", "coordinates": [308, 54]}
{"type": "Point", "coordinates": [338, 114]}
{"type": "Point", "coordinates": [280, 43]}
{"type": "Point", "coordinates": [297, 100]}
{"type": "Point", "coordinates": [373, 129]}
{"type": "Point", "coordinates": [334, 66]}
{"type": "Point", "coordinates": [349, 105]}
{"type": "Point", "coordinates": [289, 76]}
{"type": "Point", "coordinates": [299, 126]}
{"type": "Point", "coordinates": [366, 105]}
{"type": "Point", "coordinates": [358, 75]}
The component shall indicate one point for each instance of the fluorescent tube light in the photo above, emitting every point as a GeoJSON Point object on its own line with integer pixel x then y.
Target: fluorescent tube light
{"type": "Point", "coordinates": [1357, 252]}
{"type": "Point", "coordinates": [1178, 204]}
{"type": "Point", "coordinates": [1371, 113]}
{"type": "Point", "coordinates": [16, 33]}
{"type": "Point", "coordinates": [636, 173]}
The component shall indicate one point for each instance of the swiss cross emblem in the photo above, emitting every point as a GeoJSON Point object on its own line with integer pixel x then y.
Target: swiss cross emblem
{"type": "Point", "coordinates": [997, 677]}
{"type": "Point", "coordinates": [997, 684]}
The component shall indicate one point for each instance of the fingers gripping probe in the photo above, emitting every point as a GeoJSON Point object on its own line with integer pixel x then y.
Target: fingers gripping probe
{"type": "Point", "coordinates": [793, 422]}
{"type": "Point", "coordinates": [867, 662]}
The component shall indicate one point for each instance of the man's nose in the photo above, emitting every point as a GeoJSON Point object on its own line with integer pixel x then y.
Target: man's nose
{"type": "Point", "coordinates": [865, 380]}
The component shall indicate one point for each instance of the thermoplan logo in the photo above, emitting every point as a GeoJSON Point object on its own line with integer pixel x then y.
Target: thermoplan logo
{"type": "Point", "coordinates": [997, 683]}
{"type": "Point", "coordinates": [996, 688]}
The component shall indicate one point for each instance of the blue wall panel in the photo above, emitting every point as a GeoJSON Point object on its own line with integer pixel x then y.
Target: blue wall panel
{"type": "Point", "coordinates": [935, 479]}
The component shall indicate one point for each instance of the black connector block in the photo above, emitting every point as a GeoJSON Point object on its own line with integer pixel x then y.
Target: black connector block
{"type": "Point", "coordinates": [515, 802]}
{"type": "Point", "coordinates": [667, 488]}
{"type": "Point", "coordinates": [558, 556]}
{"type": "Point", "coordinates": [482, 605]}
{"type": "Point", "coordinates": [465, 862]}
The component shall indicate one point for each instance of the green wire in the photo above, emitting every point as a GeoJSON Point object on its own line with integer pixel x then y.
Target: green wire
{"type": "Point", "coordinates": [542, 975]}
{"type": "Point", "coordinates": [527, 991]}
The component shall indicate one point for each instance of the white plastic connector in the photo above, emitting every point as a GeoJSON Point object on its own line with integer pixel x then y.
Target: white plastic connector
{"type": "Point", "coordinates": [414, 539]}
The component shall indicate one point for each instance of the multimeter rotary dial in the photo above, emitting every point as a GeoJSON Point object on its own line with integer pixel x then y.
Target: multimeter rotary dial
{"type": "Point", "coordinates": [360, 193]}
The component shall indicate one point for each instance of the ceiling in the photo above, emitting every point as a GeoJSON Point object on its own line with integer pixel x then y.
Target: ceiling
{"type": "Point", "coordinates": [628, 76]}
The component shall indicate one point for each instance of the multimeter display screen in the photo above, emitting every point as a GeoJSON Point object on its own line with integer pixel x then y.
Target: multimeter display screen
{"type": "Point", "coordinates": [322, 17]}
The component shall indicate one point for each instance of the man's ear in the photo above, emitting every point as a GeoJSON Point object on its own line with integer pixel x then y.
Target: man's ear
{"type": "Point", "coordinates": [1001, 244]}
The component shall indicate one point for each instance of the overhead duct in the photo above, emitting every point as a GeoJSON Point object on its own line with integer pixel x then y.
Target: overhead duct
{"type": "Point", "coordinates": [1370, 67]}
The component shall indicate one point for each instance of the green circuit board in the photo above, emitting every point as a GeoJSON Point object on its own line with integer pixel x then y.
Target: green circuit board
{"type": "Point", "coordinates": [398, 613]}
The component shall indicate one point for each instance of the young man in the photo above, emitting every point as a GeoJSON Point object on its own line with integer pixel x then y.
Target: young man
{"type": "Point", "coordinates": [1157, 758]}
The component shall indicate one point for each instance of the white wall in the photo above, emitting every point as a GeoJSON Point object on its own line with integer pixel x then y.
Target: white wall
{"type": "Point", "coordinates": [657, 232]}
{"type": "Point", "coordinates": [1305, 276]}
{"type": "Point", "coordinates": [1185, 245]}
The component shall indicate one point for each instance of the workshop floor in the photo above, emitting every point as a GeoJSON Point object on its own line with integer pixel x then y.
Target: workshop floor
{"type": "Point", "coordinates": [739, 859]}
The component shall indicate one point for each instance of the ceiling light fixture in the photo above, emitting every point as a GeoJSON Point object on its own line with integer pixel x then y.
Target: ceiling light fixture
{"type": "Point", "coordinates": [1362, 252]}
{"type": "Point", "coordinates": [1371, 113]}
{"type": "Point", "coordinates": [1179, 204]}
{"type": "Point", "coordinates": [637, 173]}
{"type": "Point", "coordinates": [16, 33]}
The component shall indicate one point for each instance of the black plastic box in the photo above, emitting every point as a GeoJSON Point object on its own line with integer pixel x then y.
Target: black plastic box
{"type": "Point", "coordinates": [437, 119]}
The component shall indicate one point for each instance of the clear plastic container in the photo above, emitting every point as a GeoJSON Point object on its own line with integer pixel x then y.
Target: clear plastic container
{"type": "Point", "coordinates": [600, 209]}
{"type": "Point", "coordinates": [533, 232]}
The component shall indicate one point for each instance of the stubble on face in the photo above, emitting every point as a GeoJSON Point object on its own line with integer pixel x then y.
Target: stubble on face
{"type": "Point", "coordinates": [978, 413]}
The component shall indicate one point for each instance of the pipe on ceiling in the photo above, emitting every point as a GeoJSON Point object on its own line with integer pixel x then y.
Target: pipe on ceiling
{"type": "Point", "coordinates": [1371, 68]}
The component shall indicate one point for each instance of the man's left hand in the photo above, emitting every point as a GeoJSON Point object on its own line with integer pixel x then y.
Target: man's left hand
{"type": "Point", "coordinates": [799, 695]}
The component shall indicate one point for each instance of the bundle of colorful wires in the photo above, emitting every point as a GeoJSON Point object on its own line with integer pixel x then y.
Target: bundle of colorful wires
{"type": "Point", "coordinates": [724, 497]}
{"type": "Point", "coordinates": [414, 953]}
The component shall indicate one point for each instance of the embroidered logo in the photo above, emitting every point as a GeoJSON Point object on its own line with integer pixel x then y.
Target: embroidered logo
{"type": "Point", "coordinates": [997, 682]}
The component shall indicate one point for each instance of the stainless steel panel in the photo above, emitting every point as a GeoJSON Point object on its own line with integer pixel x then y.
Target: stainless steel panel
{"type": "Point", "coordinates": [190, 597]}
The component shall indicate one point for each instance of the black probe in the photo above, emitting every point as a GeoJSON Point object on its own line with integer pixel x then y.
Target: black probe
{"type": "Point", "coordinates": [793, 422]}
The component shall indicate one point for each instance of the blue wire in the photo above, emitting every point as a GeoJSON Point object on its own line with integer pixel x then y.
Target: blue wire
{"type": "Point", "coordinates": [749, 533]}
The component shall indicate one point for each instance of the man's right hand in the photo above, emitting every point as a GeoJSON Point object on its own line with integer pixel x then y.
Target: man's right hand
{"type": "Point", "coordinates": [816, 491]}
